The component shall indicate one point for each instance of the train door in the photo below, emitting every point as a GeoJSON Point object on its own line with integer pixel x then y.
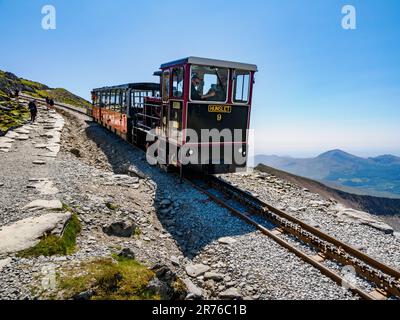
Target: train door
{"type": "Point", "coordinates": [128, 105]}
{"type": "Point", "coordinates": [165, 103]}
{"type": "Point", "coordinates": [163, 138]}
{"type": "Point", "coordinates": [175, 112]}
{"type": "Point", "coordinates": [176, 104]}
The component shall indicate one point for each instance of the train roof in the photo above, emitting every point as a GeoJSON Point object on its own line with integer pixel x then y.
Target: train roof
{"type": "Point", "coordinates": [134, 86]}
{"type": "Point", "coordinates": [211, 62]}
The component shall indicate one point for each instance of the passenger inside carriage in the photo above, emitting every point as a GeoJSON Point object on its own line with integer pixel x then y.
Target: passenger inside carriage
{"type": "Point", "coordinates": [209, 83]}
{"type": "Point", "coordinates": [196, 81]}
{"type": "Point", "coordinates": [195, 91]}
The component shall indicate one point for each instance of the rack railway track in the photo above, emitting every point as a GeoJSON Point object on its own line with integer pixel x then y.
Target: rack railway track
{"type": "Point", "coordinates": [385, 278]}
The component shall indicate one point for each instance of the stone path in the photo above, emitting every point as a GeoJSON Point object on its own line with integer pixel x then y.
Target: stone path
{"type": "Point", "coordinates": [26, 233]}
{"type": "Point", "coordinates": [40, 140]}
{"type": "Point", "coordinates": [4, 262]}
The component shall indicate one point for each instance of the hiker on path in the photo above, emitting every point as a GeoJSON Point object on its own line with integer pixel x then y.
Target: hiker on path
{"type": "Point", "coordinates": [33, 110]}
{"type": "Point", "coordinates": [51, 102]}
{"type": "Point", "coordinates": [47, 103]}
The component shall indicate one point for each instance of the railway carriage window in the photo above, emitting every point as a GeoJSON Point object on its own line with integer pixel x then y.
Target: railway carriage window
{"type": "Point", "coordinates": [112, 101]}
{"type": "Point", "coordinates": [118, 101]}
{"type": "Point", "coordinates": [123, 102]}
{"type": "Point", "coordinates": [105, 102]}
{"type": "Point", "coordinates": [108, 98]}
{"type": "Point", "coordinates": [209, 84]}
{"type": "Point", "coordinates": [117, 98]}
{"type": "Point", "coordinates": [177, 82]}
{"type": "Point", "coordinates": [241, 86]}
{"type": "Point", "coordinates": [165, 86]}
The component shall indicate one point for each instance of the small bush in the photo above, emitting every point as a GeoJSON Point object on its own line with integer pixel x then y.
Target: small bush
{"type": "Point", "coordinates": [137, 232]}
{"type": "Point", "coordinates": [111, 206]}
{"type": "Point", "coordinates": [118, 279]}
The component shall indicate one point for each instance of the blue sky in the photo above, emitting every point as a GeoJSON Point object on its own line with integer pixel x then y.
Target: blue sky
{"type": "Point", "coordinates": [319, 87]}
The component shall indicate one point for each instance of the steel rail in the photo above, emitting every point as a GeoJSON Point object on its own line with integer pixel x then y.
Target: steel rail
{"type": "Point", "coordinates": [262, 207]}
{"type": "Point", "coordinates": [384, 277]}
{"type": "Point", "coordinates": [307, 258]}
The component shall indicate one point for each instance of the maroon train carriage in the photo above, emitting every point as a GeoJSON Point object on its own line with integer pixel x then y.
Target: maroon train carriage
{"type": "Point", "coordinates": [117, 107]}
{"type": "Point", "coordinates": [193, 95]}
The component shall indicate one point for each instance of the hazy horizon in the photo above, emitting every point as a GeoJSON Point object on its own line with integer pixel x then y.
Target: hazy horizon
{"type": "Point", "coordinates": [311, 154]}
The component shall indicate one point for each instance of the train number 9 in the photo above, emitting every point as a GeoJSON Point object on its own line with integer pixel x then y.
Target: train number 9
{"type": "Point", "coordinates": [219, 117]}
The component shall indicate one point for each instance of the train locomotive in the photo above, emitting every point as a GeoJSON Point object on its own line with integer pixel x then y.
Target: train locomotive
{"type": "Point", "coordinates": [196, 116]}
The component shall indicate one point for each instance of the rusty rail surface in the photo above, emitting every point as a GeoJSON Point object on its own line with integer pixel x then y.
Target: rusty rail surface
{"type": "Point", "coordinates": [385, 278]}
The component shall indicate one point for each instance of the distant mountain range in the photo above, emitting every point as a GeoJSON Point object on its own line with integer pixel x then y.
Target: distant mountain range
{"type": "Point", "coordinates": [387, 209]}
{"type": "Point", "coordinates": [378, 176]}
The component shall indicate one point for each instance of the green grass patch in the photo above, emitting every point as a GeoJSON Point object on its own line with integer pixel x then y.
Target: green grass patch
{"type": "Point", "coordinates": [32, 84]}
{"type": "Point", "coordinates": [112, 206]}
{"type": "Point", "coordinates": [109, 279]}
{"type": "Point", "coordinates": [4, 95]}
{"type": "Point", "coordinates": [63, 96]}
{"type": "Point", "coordinates": [137, 232]}
{"type": "Point", "coordinates": [66, 207]}
{"type": "Point", "coordinates": [53, 245]}
{"type": "Point", "coordinates": [39, 90]}
{"type": "Point", "coordinates": [16, 117]}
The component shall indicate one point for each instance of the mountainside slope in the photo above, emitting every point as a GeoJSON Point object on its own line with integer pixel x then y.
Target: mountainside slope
{"type": "Point", "coordinates": [12, 114]}
{"type": "Point", "coordinates": [379, 176]}
{"type": "Point", "coordinates": [388, 209]}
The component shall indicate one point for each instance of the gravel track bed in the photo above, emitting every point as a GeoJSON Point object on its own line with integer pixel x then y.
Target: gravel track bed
{"type": "Point", "coordinates": [180, 226]}
{"type": "Point", "coordinates": [321, 213]}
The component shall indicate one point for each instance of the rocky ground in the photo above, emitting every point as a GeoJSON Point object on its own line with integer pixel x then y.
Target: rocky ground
{"type": "Point", "coordinates": [364, 231]}
{"type": "Point", "coordinates": [123, 203]}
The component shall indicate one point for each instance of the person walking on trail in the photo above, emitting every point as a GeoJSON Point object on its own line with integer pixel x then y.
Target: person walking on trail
{"type": "Point", "coordinates": [51, 102]}
{"type": "Point", "coordinates": [47, 103]}
{"type": "Point", "coordinates": [33, 110]}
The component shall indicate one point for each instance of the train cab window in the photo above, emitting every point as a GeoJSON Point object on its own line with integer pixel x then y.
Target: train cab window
{"type": "Point", "coordinates": [241, 86]}
{"type": "Point", "coordinates": [165, 86]}
{"type": "Point", "coordinates": [177, 82]}
{"type": "Point", "coordinates": [209, 84]}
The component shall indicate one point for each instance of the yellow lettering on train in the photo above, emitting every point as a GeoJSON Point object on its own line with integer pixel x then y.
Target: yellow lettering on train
{"type": "Point", "coordinates": [219, 109]}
